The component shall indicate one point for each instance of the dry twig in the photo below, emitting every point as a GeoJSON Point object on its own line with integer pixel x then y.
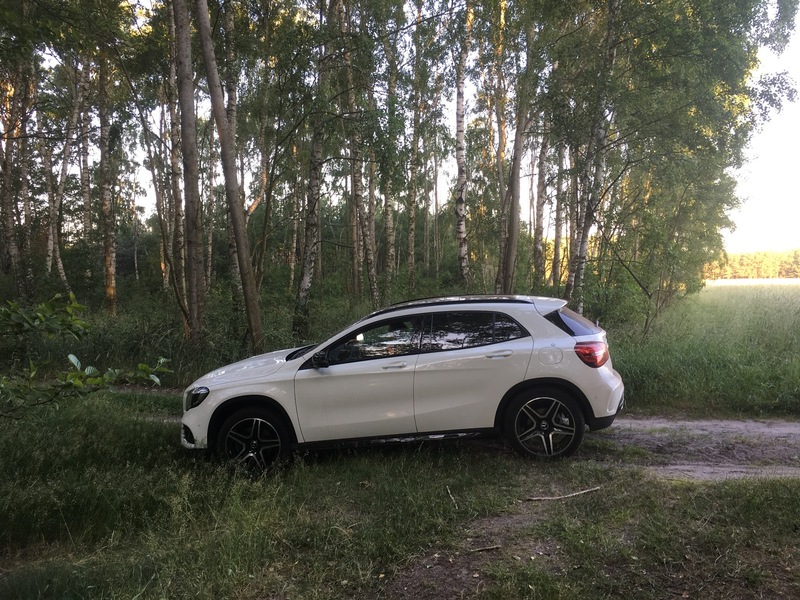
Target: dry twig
{"type": "Point", "coordinates": [544, 498]}
{"type": "Point", "coordinates": [487, 548]}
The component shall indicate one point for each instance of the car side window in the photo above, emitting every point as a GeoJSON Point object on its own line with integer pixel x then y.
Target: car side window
{"type": "Point", "coordinates": [397, 337]}
{"type": "Point", "coordinates": [506, 328]}
{"type": "Point", "coordinates": [456, 330]}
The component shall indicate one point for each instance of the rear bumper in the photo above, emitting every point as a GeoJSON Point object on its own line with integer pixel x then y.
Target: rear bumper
{"type": "Point", "coordinates": [596, 423]}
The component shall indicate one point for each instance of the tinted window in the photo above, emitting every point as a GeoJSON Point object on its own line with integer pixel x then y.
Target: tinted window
{"type": "Point", "coordinates": [570, 322]}
{"type": "Point", "coordinates": [393, 338]}
{"type": "Point", "coordinates": [456, 330]}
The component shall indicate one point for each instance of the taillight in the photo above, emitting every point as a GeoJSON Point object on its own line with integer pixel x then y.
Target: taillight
{"type": "Point", "coordinates": [594, 354]}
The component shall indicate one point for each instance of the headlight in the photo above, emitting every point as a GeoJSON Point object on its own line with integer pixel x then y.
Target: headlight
{"type": "Point", "coordinates": [196, 396]}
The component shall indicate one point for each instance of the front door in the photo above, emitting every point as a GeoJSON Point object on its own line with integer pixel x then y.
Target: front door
{"type": "Point", "coordinates": [367, 389]}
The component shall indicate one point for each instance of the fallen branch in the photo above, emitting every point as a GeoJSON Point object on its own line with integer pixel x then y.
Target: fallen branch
{"type": "Point", "coordinates": [451, 497]}
{"type": "Point", "coordinates": [544, 498]}
{"type": "Point", "coordinates": [487, 548]}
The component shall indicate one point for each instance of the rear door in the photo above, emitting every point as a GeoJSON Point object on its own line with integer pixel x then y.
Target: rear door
{"type": "Point", "coordinates": [468, 361]}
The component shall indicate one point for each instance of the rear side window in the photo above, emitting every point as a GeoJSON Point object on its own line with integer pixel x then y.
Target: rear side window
{"type": "Point", "coordinates": [568, 321]}
{"type": "Point", "coordinates": [456, 330]}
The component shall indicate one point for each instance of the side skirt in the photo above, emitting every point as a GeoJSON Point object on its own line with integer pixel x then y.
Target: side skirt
{"type": "Point", "coordinates": [401, 439]}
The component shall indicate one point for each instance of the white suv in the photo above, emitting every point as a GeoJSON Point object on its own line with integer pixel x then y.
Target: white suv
{"type": "Point", "coordinates": [524, 367]}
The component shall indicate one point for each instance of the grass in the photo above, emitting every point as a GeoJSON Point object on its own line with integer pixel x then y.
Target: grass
{"type": "Point", "coordinates": [729, 351]}
{"type": "Point", "coordinates": [98, 500]}
{"type": "Point", "coordinates": [644, 539]}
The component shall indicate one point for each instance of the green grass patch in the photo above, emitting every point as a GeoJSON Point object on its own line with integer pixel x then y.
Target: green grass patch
{"type": "Point", "coordinates": [729, 351]}
{"type": "Point", "coordinates": [98, 500]}
{"type": "Point", "coordinates": [649, 539]}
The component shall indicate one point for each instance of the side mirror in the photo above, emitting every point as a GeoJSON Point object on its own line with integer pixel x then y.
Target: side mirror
{"type": "Point", "coordinates": [319, 360]}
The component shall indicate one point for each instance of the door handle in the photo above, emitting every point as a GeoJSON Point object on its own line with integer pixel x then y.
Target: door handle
{"type": "Point", "coordinates": [500, 354]}
{"type": "Point", "coordinates": [397, 365]}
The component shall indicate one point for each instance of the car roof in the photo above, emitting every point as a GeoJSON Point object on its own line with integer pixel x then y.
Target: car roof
{"type": "Point", "coordinates": [542, 304]}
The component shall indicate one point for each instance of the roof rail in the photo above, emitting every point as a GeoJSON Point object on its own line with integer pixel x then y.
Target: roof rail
{"type": "Point", "coordinates": [444, 300]}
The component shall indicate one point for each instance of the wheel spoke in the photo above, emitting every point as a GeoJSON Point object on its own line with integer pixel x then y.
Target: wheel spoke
{"type": "Point", "coordinates": [528, 433]}
{"type": "Point", "coordinates": [266, 433]}
{"type": "Point", "coordinates": [240, 438]}
{"type": "Point", "coordinates": [549, 446]}
{"type": "Point", "coordinates": [563, 430]}
{"type": "Point", "coordinates": [531, 413]}
{"type": "Point", "coordinates": [552, 409]}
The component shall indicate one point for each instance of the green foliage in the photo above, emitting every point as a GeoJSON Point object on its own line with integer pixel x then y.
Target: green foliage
{"type": "Point", "coordinates": [27, 387]}
{"type": "Point", "coordinates": [51, 318]}
{"type": "Point", "coordinates": [731, 350]}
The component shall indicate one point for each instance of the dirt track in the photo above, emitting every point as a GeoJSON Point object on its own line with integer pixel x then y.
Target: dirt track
{"type": "Point", "coordinates": [711, 449]}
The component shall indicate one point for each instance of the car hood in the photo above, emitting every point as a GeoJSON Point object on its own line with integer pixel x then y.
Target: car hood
{"type": "Point", "coordinates": [254, 367]}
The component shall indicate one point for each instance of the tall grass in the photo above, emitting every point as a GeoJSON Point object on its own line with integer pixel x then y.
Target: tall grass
{"type": "Point", "coordinates": [731, 350]}
{"type": "Point", "coordinates": [98, 500]}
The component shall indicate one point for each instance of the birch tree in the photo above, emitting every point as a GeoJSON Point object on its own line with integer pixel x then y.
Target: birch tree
{"type": "Point", "coordinates": [461, 146]}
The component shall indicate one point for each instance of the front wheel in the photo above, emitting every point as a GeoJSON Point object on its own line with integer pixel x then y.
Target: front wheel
{"type": "Point", "coordinates": [544, 423]}
{"type": "Point", "coordinates": [254, 439]}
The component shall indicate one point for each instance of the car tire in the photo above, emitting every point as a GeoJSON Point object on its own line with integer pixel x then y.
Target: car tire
{"type": "Point", "coordinates": [544, 423]}
{"type": "Point", "coordinates": [254, 439]}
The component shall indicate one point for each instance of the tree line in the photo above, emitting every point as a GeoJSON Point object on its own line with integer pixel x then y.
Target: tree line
{"type": "Point", "coordinates": [757, 265]}
{"type": "Point", "coordinates": [386, 147]}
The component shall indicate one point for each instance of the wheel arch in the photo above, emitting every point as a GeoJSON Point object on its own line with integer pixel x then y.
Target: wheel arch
{"type": "Point", "coordinates": [548, 382]}
{"type": "Point", "coordinates": [227, 408]}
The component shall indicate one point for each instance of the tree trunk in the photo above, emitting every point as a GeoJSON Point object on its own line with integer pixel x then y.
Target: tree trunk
{"type": "Point", "coordinates": [356, 168]}
{"type": "Point", "coordinates": [555, 271]}
{"type": "Point", "coordinates": [296, 198]}
{"type": "Point", "coordinates": [390, 164]}
{"type": "Point", "coordinates": [413, 186]}
{"type": "Point", "coordinates": [156, 173]}
{"type": "Point", "coordinates": [86, 187]}
{"type": "Point", "coordinates": [26, 258]}
{"type": "Point", "coordinates": [500, 101]}
{"type": "Point", "coordinates": [300, 324]}
{"type": "Point", "coordinates": [541, 199]}
{"type": "Point", "coordinates": [106, 199]}
{"type": "Point", "coordinates": [228, 155]}
{"type": "Point", "coordinates": [195, 296]}
{"type": "Point", "coordinates": [176, 228]}
{"type": "Point", "coordinates": [575, 218]}
{"type": "Point", "coordinates": [593, 170]}
{"type": "Point", "coordinates": [513, 203]}
{"type": "Point", "coordinates": [461, 148]}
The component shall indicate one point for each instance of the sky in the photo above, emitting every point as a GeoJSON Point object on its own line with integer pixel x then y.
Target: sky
{"type": "Point", "coordinates": [769, 184]}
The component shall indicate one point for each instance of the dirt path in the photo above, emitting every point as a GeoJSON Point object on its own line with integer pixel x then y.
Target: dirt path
{"type": "Point", "coordinates": [706, 450]}
{"type": "Point", "coordinates": [710, 449]}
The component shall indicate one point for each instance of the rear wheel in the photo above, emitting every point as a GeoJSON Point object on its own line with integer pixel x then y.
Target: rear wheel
{"type": "Point", "coordinates": [544, 423]}
{"type": "Point", "coordinates": [253, 438]}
